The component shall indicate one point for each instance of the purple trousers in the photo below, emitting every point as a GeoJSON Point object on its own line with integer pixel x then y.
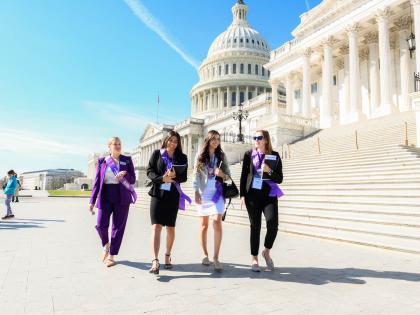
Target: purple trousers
{"type": "Point", "coordinates": [111, 206]}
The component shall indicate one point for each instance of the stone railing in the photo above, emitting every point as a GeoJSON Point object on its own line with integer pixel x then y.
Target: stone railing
{"type": "Point", "coordinates": [285, 48]}
{"type": "Point", "coordinates": [187, 122]}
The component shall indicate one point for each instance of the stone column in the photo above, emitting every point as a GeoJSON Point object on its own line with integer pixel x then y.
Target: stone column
{"type": "Point", "coordinates": [246, 93]}
{"type": "Point", "coordinates": [289, 94]}
{"type": "Point", "coordinates": [237, 96]}
{"type": "Point", "coordinates": [274, 98]}
{"type": "Point", "coordinates": [354, 73]}
{"type": "Point", "coordinates": [306, 84]}
{"type": "Point", "coordinates": [189, 151]}
{"type": "Point", "coordinates": [382, 17]}
{"type": "Point", "coordinates": [229, 98]}
{"type": "Point", "coordinates": [403, 25]}
{"type": "Point", "coordinates": [219, 99]}
{"type": "Point", "coordinates": [416, 14]}
{"type": "Point", "coordinates": [327, 85]}
{"type": "Point", "coordinates": [372, 41]}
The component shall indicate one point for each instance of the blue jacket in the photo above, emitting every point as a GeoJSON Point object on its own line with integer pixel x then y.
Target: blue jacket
{"type": "Point", "coordinates": [11, 186]}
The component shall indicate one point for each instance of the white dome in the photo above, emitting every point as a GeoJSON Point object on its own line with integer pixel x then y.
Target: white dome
{"type": "Point", "coordinates": [240, 35]}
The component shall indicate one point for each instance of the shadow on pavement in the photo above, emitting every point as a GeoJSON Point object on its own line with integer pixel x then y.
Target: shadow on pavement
{"type": "Point", "coordinates": [305, 275]}
{"type": "Point", "coordinates": [15, 224]}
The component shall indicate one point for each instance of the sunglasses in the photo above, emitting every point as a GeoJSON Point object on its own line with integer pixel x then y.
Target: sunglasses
{"type": "Point", "coordinates": [258, 138]}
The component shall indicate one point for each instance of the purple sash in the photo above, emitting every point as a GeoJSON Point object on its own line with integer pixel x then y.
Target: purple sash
{"type": "Point", "coordinates": [114, 168]}
{"type": "Point", "coordinates": [257, 161]}
{"type": "Point", "coordinates": [219, 186]}
{"type": "Point", "coordinates": [168, 164]}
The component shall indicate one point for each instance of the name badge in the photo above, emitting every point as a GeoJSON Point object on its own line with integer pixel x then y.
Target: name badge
{"type": "Point", "coordinates": [166, 186]}
{"type": "Point", "coordinates": [123, 163]}
{"type": "Point", "coordinates": [257, 182]}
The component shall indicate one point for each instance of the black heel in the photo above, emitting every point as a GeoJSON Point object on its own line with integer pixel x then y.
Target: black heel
{"type": "Point", "coordinates": [155, 270]}
{"type": "Point", "coordinates": [168, 266]}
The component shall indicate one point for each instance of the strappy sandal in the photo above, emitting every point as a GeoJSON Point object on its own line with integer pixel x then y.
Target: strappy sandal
{"type": "Point", "coordinates": [105, 254]}
{"type": "Point", "coordinates": [155, 269]}
{"type": "Point", "coordinates": [110, 262]}
{"type": "Point", "coordinates": [168, 266]}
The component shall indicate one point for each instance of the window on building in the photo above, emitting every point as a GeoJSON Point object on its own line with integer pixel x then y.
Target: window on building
{"type": "Point", "coordinates": [256, 70]}
{"type": "Point", "coordinates": [297, 94]}
{"type": "Point", "coordinates": [220, 70]}
{"type": "Point", "coordinates": [249, 95]}
{"type": "Point", "coordinates": [335, 80]}
{"type": "Point", "coordinates": [233, 99]}
{"type": "Point", "coordinates": [214, 71]}
{"type": "Point", "coordinates": [247, 41]}
{"type": "Point", "coordinates": [242, 40]}
{"type": "Point", "coordinates": [263, 71]}
{"type": "Point", "coordinates": [249, 69]}
{"type": "Point", "coordinates": [226, 69]}
{"type": "Point", "coordinates": [242, 68]}
{"type": "Point", "coordinates": [225, 99]}
{"type": "Point", "coordinates": [314, 88]}
{"type": "Point", "coordinates": [241, 97]}
{"type": "Point", "coordinates": [234, 68]}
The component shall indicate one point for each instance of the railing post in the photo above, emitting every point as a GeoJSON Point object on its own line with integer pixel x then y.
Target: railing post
{"type": "Point", "coordinates": [406, 133]}
{"type": "Point", "coordinates": [282, 152]}
{"type": "Point", "coordinates": [357, 141]}
{"type": "Point", "coordinates": [288, 150]}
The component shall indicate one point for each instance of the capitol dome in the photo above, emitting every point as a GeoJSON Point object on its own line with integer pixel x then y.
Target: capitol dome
{"type": "Point", "coordinates": [233, 71]}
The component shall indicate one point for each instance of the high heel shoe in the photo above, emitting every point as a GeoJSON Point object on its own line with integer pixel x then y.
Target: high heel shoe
{"type": "Point", "coordinates": [168, 266]}
{"type": "Point", "coordinates": [155, 269]}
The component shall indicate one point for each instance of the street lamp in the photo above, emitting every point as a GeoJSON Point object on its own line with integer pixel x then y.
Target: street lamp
{"type": "Point", "coordinates": [240, 115]}
{"type": "Point", "coordinates": [411, 40]}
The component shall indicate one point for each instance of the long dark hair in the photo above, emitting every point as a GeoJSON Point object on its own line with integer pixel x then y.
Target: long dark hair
{"type": "Point", "coordinates": [178, 150]}
{"type": "Point", "coordinates": [205, 154]}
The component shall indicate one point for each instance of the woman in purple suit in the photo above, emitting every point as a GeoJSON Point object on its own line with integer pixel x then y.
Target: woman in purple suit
{"type": "Point", "coordinates": [113, 192]}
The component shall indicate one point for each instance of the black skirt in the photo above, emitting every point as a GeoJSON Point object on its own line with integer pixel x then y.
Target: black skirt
{"type": "Point", "coordinates": [164, 208]}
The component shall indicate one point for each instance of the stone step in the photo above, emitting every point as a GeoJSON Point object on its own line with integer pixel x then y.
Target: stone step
{"type": "Point", "coordinates": [408, 201]}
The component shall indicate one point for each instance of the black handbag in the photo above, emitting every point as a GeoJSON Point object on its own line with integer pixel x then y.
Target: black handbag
{"type": "Point", "coordinates": [229, 191]}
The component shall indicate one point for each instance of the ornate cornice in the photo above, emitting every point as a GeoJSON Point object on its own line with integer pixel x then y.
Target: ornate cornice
{"type": "Point", "coordinates": [372, 38]}
{"type": "Point", "coordinates": [403, 23]}
{"type": "Point", "coordinates": [344, 50]}
{"type": "Point", "coordinates": [382, 15]}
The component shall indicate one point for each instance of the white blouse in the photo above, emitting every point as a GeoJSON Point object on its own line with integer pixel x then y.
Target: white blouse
{"type": "Point", "coordinates": [109, 175]}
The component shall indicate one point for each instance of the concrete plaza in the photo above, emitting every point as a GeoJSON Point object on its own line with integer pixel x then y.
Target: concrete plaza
{"type": "Point", "coordinates": [49, 264]}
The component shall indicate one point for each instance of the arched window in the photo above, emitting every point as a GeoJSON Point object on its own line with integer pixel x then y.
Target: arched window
{"type": "Point", "coordinates": [242, 68]}
{"type": "Point", "coordinates": [226, 69]}
{"type": "Point", "coordinates": [262, 71]}
{"type": "Point", "coordinates": [220, 70]}
{"type": "Point", "coordinates": [233, 99]}
{"type": "Point", "coordinates": [256, 70]}
{"type": "Point", "coordinates": [234, 68]}
{"type": "Point", "coordinates": [249, 69]}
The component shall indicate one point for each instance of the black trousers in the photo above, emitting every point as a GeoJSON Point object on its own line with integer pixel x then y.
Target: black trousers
{"type": "Point", "coordinates": [258, 203]}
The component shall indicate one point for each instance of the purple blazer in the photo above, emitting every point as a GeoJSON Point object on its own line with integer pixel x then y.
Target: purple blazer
{"type": "Point", "coordinates": [126, 164]}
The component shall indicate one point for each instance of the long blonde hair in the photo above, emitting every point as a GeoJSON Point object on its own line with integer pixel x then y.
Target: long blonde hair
{"type": "Point", "coordinates": [268, 145]}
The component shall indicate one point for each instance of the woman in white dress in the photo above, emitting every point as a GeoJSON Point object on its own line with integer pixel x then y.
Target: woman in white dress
{"type": "Point", "coordinates": [210, 171]}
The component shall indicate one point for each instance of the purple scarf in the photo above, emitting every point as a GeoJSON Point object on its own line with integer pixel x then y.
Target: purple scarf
{"type": "Point", "coordinates": [114, 168]}
{"type": "Point", "coordinates": [257, 161]}
{"type": "Point", "coordinates": [168, 165]}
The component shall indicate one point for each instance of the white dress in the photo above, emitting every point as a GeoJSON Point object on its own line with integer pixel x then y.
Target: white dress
{"type": "Point", "coordinates": [208, 207]}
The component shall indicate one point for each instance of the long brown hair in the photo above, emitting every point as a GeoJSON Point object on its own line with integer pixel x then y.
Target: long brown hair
{"type": "Point", "coordinates": [268, 145]}
{"type": "Point", "coordinates": [171, 134]}
{"type": "Point", "coordinates": [205, 154]}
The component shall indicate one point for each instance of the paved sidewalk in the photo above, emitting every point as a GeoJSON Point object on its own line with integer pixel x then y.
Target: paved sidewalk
{"type": "Point", "coordinates": [49, 264]}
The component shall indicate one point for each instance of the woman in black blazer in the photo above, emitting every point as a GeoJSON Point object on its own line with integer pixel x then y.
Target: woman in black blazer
{"type": "Point", "coordinates": [261, 196]}
{"type": "Point", "coordinates": [166, 193]}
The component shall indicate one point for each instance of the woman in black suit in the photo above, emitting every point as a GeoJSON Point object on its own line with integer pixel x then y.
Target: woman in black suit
{"type": "Point", "coordinates": [261, 196]}
{"type": "Point", "coordinates": [166, 193]}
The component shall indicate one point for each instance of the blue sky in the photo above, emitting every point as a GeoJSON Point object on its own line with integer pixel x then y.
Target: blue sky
{"type": "Point", "coordinates": [75, 72]}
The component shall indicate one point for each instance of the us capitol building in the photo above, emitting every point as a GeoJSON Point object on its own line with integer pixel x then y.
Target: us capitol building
{"type": "Point", "coordinates": [349, 61]}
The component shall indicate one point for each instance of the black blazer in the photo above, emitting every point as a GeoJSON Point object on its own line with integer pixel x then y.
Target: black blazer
{"type": "Point", "coordinates": [247, 173]}
{"type": "Point", "coordinates": [156, 170]}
